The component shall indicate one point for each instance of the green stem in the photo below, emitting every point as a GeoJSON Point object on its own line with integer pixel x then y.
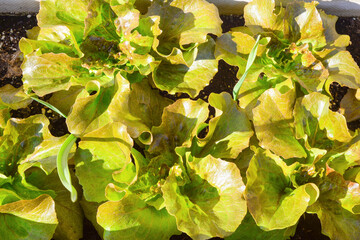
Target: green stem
{"type": "Point", "coordinates": [249, 63]}
{"type": "Point", "coordinates": [63, 167]}
{"type": "Point", "coordinates": [49, 106]}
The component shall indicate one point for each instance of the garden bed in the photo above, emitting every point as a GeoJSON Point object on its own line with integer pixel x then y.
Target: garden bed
{"type": "Point", "coordinates": [12, 29]}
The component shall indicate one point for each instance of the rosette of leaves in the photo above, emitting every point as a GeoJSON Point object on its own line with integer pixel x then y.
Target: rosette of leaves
{"type": "Point", "coordinates": [33, 202]}
{"type": "Point", "coordinates": [298, 43]}
{"type": "Point", "coordinates": [175, 166]}
{"type": "Point", "coordinates": [309, 150]}
{"type": "Point", "coordinates": [307, 162]}
{"type": "Point", "coordinates": [91, 40]}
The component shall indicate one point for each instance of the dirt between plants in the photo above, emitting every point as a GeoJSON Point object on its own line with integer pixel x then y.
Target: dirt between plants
{"type": "Point", "coordinates": [13, 28]}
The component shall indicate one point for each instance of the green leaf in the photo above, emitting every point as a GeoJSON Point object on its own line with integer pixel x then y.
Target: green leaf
{"type": "Point", "coordinates": [190, 79]}
{"type": "Point", "coordinates": [266, 17]}
{"type": "Point", "coordinates": [201, 205]}
{"type": "Point", "coordinates": [59, 12]}
{"type": "Point", "coordinates": [100, 21]}
{"type": "Point", "coordinates": [272, 201]}
{"type": "Point", "coordinates": [351, 201]}
{"type": "Point", "coordinates": [229, 131]}
{"type": "Point", "coordinates": [250, 61]}
{"type": "Point", "coordinates": [139, 107]}
{"type": "Point", "coordinates": [55, 39]}
{"type": "Point", "coordinates": [13, 98]}
{"type": "Point", "coordinates": [180, 122]}
{"type": "Point", "coordinates": [46, 153]}
{"type": "Point", "coordinates": [249, 230]}
{"type": "Point", "coordinates": [132, 218]}
{"type": "Point", "coordinates": [100, 54]}
{"type": "Point", "coordinates": [20, 138]}
{"type": "Point", "coordinates": [8, 195]}
{"type": "Point", "coordinates": [343, 69]}
{"type": "Point", "coordinates": [183, 23]}
{"type": "Point", "coordinates": [62, 165]}
{"type": "Point", "coordinates": [150, 175]}
{"type": "Point", "coordinates": [317, 124]}
{"type": "Point", "coordinates": [273, 119]}
{"type": "Point", "coordinates": [89, 111]}
{"type": "Point", "coordinates": [28, 219]}
{"type": "Point", "coordinates": [336, 221]}
{"type": "Point", "coordinates": [94, 160]}
{"type": "Point", "coordinates": [49, 72]}
{"type": "Point", "coordinates": [69, 214]}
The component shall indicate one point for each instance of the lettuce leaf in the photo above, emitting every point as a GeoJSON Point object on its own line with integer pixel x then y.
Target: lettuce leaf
{"type": "Point", "coordinates": [94, 39]}
{"type": "Point", "coordinates": [133, 218]}
{"type": "Point", "coordinates": [138, 106]}
{"type": "Point", "coordinates": [94, 159]}
{"type": "Point", "coordinates": [180, 122]}
{"type": "Point", "coordinates": [249, 230]}
{"type": "Point", "coordinates": [229, 131]}
{"type": "Point", "coordinates": [273, 119]}
{"type": "Point", "coordinates": [25, 219]}
{"type": "Point", "coordinates": [337, 222]}
{"type": "Point", "coordinates": [206, 213]}
{"type": "Point", "coordinates": [277, 205]}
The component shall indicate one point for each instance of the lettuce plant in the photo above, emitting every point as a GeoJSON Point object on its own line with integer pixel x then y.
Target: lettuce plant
{"type": "Point", "coordinates": [303, 149]}
{"type": "Point", "coordinates": [149, 167]}
{"type": "Point", "coordinates": [92, 40]}
{"type": "Point", "coordinates": [298, 46]}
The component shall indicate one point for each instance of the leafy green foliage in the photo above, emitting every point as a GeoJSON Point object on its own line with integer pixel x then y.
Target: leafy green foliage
{"type": "Point", "coordinates": [95, 39]}
{"type": "Point", "coordinates": [32, 196]}
{"type": "Point", "coordinates": [148, 167]}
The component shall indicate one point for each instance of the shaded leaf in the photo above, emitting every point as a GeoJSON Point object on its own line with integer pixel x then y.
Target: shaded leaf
{"type": "Point", "coordinates": [350, 105]}
{"type": "Point", "coordinates": [316, 123]}
{"type": "Point", "coordinates": [46, 153]}
{"type": "Point", "coordinates": [249, 230]}
{"type": "Point", "coordinates": [183, 23]}
{"type": "Point", "coordinates": [343, 69]}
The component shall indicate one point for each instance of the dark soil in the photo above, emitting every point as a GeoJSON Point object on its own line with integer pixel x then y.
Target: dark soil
{"type": "Point", "coordinates": [13, 28]}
